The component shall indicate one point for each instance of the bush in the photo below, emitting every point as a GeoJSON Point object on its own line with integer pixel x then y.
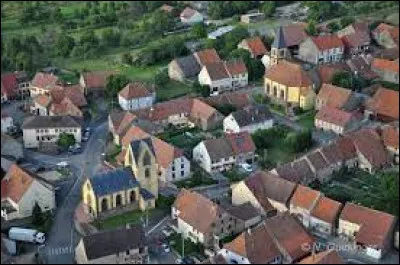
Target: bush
{"type": "Point", "coordinates": [37, 215]}
{"type": "Point", "coordinates": [66, 140]}
{"type": "Point", "coordinates": [298, 142]}
{"type": "Point", "coordinates": [127, 58]}
{"type": "Point", "coordinates": [161, 78]}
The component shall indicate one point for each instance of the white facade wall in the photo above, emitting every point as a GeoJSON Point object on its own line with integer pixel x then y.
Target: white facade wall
{"type": "Point", "coordinates": [230, 125]}
{"type": "Point", "coordinates": [189, 232]}
{"type": "Point", "coordinates": [326, 126]}
{"type": "Point", "coordinates": [331, 55]}
{"type": "Point", "coordinates": [33, 137]}
{"type": "Point", "coordinates": [240, 80]}
{"type": "Point", "coordinates": [321, 227]}
{"type": "Point", "coordinates": [216, 86]}
{"type": "Point", "coordinates": [233, 258]}
{"type": "Point", "coordinates": [181, 165]}
{"type": "Point", "coordinates": [241, 194]}
{"type": "Point", "coordinates": [6, 124]}
{"type": "Point", "coordinates": [37, 192]}
{"type": "Point", "coordinates": [136, 103]}
{"type": "Point", "coordinates": [200, 155]}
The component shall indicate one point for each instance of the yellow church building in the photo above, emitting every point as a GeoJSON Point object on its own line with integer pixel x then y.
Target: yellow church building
{"type": "Point", "coordinates": [135, 185]}
{"type": "Point", "coordinates": [289, 84]}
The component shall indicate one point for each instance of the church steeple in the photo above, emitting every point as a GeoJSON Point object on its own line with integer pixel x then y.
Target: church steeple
{"type": "Point", "coordinates": [279, 50]}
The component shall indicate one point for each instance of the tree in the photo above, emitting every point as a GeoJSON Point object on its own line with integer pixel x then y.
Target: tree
{"type": "Point", "coordinates": [199, 31]}
{"type": "Point", "coordinates": [312, 28]}
{"type": "Point", "coordinates": [342, 79]}
{"type": "Point", "coordinates": [56, 15]}
{"type": "Point", "coordinates": [333, 26]}
{"type": "Point", "coordinates": [114, 84]}
{"type": "Point", "coordinates": [268, 8]}
{"type": "Point", "coordinates": [200, 89]}
{"type": "Point", "coordinates": [110, 37]}
{"type": "Point", "coordinates": [65, 140]}
{"type": "Point", "coordinates": [161, 78]}
{"type": "Point", "coordinates": [298, 142]}
{"type": "Point", "coordinates": [127, 58]}
{"type": "Point", "coordinates": [37, 215]}
{"type": "Point", "coordinates": [226, 109]}
{"type": "Point", "coordinates": [345, 21]}
{"type": "Point", "coordinates": [64, 45]}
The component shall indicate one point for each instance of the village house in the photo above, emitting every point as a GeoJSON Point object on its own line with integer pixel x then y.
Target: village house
{"type": "Point", "coordinates": [14, 85]}
{"type": "Point", "coordinates": [7, 122]}
{"type": "Point", "coordinates": [183, 68]}
{"type": "Point", "coordinates": [303, 202]}
{"type": "Point", "coordinates": [279, 51]}
{"type": "Point", "coordinates": [332, 96]}
{"type": "Point", "coordinates": [182, 112]}
{"type": "Point", "coordinates": [206, 56]}
{"type": "Point", "coordinates": [221, 154]}
{"type": "Point", "coordinates": [94, 83]}
{"type": "Point", "coordinates": [191, 16]}
{"type": "Point", "coordinates": [252, 17]}
{"type": "Point", "coordinates": [20, 191]}
{"type": "Point", "coordinates": [324, 216]}
{"type": "Point", "coordinates": [321, 49]}
{"type": "Point", "coordinates": [292, 90]}
{"type": "Point", "coordinates": [298, 171]}
{"type": "Point", "coordinates": [386, 35]}
{"type": "Point", "coordinates": [266, 192]}
{"type": "Point", "coordinates": [390, 138]}
{"type": "Point", "coordinates": [236, 99]}
{"type": "Point", "coordinates": [332, 119]}
{"type": "Point", "coordinates": [386, 69]}
{"type": "Point", "coordinates": [248, 119]}
{"type": "Point", "coordinates": [356, 38]}
{"type": "Point", "coordinates": [219, 32]}
{"type": "Point", "coordinates": [224, 76]}
{"type": "Point", "coordinates": [201, 220]}
{"type": "Point", "coordinates": [368, 228]}
{"type": "Point", "coordinates": [43, 83]}
{"type": "Point", "coordinates": [254, 246]}
{"type": "Point", "coordinates": [333, 156]}
{"type": "Point", "coordinates": [327, 71]}
{"type": "Point", "coordinates": [254, 46]}
{"type": "Point", "coordinates": [329, 256]}
{"type": "Point", "coordinates": [60, 101]}
{"type": "Point", "coordinates": [245, 216]}
{"type": "Point", "coordinates": [118, 246]}
{"type": "Point", "coordinates": [291, 238]}
{"type": "Point", "coordinates": [318, 165]}
{"type": "Point", "coordinates": [294, 34]}
{"type": "Point", "coordinates": [118, 124]}
{"type": "Point", "coordinates": [383, 106]}
{"type": "Point", "coordinates": [133, 187]}
{"type": "Point", "coordinates": [42, 131]}
{"type": "Point", "coordinates": [172, 163]}
{"type": "Point", "coordinates": [361, 66]}
{"type": "Point", "coordinates": [136, 96]}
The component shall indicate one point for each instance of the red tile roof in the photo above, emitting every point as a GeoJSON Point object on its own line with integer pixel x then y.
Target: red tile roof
{"type": "Point", "coordinates": [346, 148]}
{"type": "Point", "coordinates": [390, 136]}
{"type": "Point", "coordinates": [188, 13]}
{"type": "Point", "coordinates": [305, 197]}
{"type": "Point", "coordinates": [43, 100]}
{"type": "Point", "coordinates": [385, 102]}
{"type": "Point", "coordinates": [217, 71]}
{"type": "Point", "coordinates": [385, 65]}
{"type": "Point", "coordinates": [135, 90]}
{"type": "Point", "coordinates": [334, 96]}
{"type": "Point", "coordinates": [326, 42]}
{"type": "Point", "coordinates": [334, 116]}
{"type": "Point", "coordinates": [297, 77]}
{"type": "Point", "coordinates": [256, 245]}
{"type": "Point", "coordinates": [329, 256]}
{"type": "Point", "coordinates": [121, 121]}
{"type": "Point", "coordinates": [356, 39]}
{"type": "Point", "coordinates": [65, 107]}
{"type": "Point", "coordinates": [241, 143]}
{"type": "Point", "coordinates": [15, 183]}
{"type": "Point", "coordinates": [207, 56]}
{"type": "Point", "coordinates": [294, 33]}
{"type": "Point", "coordinates": [133, 133]}
{"type": "Point", "coordinates": [98, 79]}
{"type": "Point", "coordinates": [43, 80]}
{"type": "Point", "coordinates": [375, 227]}
{"type": "Point", "coordinates": [165, 153]}
{"type": "Point", "coordinates": [74, 93]}
{"type": "Point", "coordinates": [8, 84]}
{"type": "Point", "coordinates": [290, 235]}
{"type": "Point", "coordinates": [256, 46]}
{"type": "Point", "coordinates": [237, 99]}
{"type": "Point", "coordinates": [327, 210]}
{"type": "Point", "coordinates": [327, 71]}
{"type": "Point", "coordinates": [369, 144]}
{"type": "Point", "coordinates": [197, 210]}
{"type": "Point", "coordinates": [236, 67]}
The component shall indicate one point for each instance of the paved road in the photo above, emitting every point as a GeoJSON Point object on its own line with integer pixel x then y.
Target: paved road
{"type": "Point", "coordinates": [62, 238]}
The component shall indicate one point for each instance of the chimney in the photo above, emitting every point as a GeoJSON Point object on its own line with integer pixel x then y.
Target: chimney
{"type": "Point", "coordinates": [249, 231]}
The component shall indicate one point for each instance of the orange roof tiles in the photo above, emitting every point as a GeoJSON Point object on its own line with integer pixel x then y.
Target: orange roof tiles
{"type": "Point", "coordinates": [385, 65]}
{"type": "Point", "coordinates": [294, 33]}
{"type": "Point", "coordinates": [256, 245]}
{"type": "Point", "coordinates": [375, 227]}
{"type": "Point", "coordinates": [96, 79]}
{"type": "Point", "coordinates": [334, 116]}
{"type": "Point", "coordinates": [207, 56]}
{"type": "Point", "coordinates": [165, 153]}
{"type": "Point", "coordinates": [385, 102]}
{"type": "Point", "coordinates": [327, 210]}
{"type": "Point", "coordinates": [15, 183]}
{"type": "Point", "coordinates": [326, 42]}
{"type": "Point", "coordinates": [329, 256]}
{"type": "Point", "coordinates": [43, 100]}
{"type": "Point", "coordinates": [9, 83]}
{"type": "Point", "coordinates": [241, 143]}
{"type": "Point", "coordinates": [256, 46]}
{"type": "Point", "coordinates": [133, 133]}
{"type": "Point", "coordinates": [297, 77]}
{"type": "Point", "coordinates": [334, 96]}
{"type": "Point", "coordinates": [45, 81]}
{"type": "Point", "coordinates": [305, 197]}
{"type": "Point", "coordinates": [135, 90]}
{"type": "Point", "coordinates": [390, 136]}
{"type": "Point", "coordinates": [236, 67]}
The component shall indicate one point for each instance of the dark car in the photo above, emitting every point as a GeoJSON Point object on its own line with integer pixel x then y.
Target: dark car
{"type": "Point", "coordinates": [188, 260]}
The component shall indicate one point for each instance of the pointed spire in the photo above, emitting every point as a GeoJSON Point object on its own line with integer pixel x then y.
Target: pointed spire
{"type": "Point", "coordinates": [279, 40]}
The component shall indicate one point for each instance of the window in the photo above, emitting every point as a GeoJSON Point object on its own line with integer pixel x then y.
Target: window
{"type": "Point", "coordinates": [37, 138]}
{"type": "Point", "coordinates": [37, 131]}
{"type": "Point", "coordinates": [182, 173]}
{"type": "Point", "coordinates": [173, 168]}
{"type": "Point", "coordinates": [182, 166]}
{"type": "Point", "coordinates": [173, 175]}
{"type": "Point", "coordinates": [282, 94]}
{"type": "Point", "coordinates": [146, 159]}
{"type": "Point", "coordinates": [147, 173]}
{"type": "Point", "coordinates": [127, 252]}
{"type": "Point", "coordinates": [275, 91]}
{"type": "Point", "coordinates": [268, 88]}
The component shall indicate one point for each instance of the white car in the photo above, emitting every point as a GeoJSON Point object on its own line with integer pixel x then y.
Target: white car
{"type": "Point", "coordinates": [178, 261]}
{"type": "Point", "coordinates": [247, 167]}
{"type": "Point", "coordinates": [166, 248]}
{"type": "Point", "coordinates": [62, 164]}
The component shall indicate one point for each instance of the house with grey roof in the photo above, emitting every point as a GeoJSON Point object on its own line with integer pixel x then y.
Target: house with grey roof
{"type": "Point", "coordinates": [249, 119]}
{"type": "Point", "coordinates": [183, 68]}
{"type": "Point", "coordinates": [127, 245]}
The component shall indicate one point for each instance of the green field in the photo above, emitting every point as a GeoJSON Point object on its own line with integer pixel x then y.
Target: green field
{"type": "Point", "coordinates": [307, 120]}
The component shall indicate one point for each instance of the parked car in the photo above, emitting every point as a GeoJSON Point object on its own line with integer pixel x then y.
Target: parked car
{"type": "Point", "coordinates": [166, 248]}
{"type": "Point", "coordinates": [247, 167]}
{"type": "Point", "coordinates": [62, 164]}
{"type": "Point", "coordinates": [26, 235]}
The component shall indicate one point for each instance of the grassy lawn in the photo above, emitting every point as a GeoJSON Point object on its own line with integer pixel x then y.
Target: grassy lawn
{"type": "Point", "coordinates": [189, 247]}
{"type": "Point", "coordinates": [235, 175]}
{"type": "Point", "coordinates": [307, 119]}
{"type": "Point", "coordinates": [173, 89]}
{"type": "Point", "coordinates": [195, 182]}
{"type": "Point", "coordinates": [132, 217]}
{"type": "Point", "coordinates": [181, 139]}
